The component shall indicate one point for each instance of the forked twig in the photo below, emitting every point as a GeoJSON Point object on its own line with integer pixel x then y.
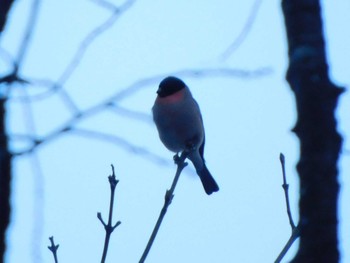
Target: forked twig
{"type": "Point", "coordinates": [169, 194]}
{"type": "Point", "coordinates": [53, 248]}
{"type": "Point", "coordinates": [295, 229]}
{"type": "Point", "coordinates": [108, 227]}
{"type": "Point", "coordinates": [285, 187]}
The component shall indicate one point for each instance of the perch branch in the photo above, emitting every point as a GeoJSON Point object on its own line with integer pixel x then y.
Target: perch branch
{"type": "Point", "coordinates": [169, 194]}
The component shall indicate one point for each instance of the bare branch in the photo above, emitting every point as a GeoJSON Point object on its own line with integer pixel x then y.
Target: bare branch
{"type": "Point", "coordinates": [108, 227]}
{"type": "Point", "coordinates": [132, 89]}
{"type": "Point", "coordinates": [226, 72]}
{"type": "Point", "coordinates": [131, 114]}
{"type": "Point", "coordinates": [295, 235]}
{"type": "Point", "coordinates": [92, 36]}
{"type": "Point", "coordinates": [7, 57]}
{"type": "Point", "coordinates": [295, 229]}
{"type": "Point", "coordinates": [189, 73]}
{"type": "Point", "coordinates": [285, 187]}
{"type": "Point", "coordinates": [53, 248]}
{"type": "Point", "coordinates": [135, 149]}
{"type": "Point", "coordinates": [78, 56]}
{"type": "Point", "coordinates": [169, 194]}
{"type": "Point", "coordinates": [244, 32]}
{"type": "Point", "coordinates": [28, 33]}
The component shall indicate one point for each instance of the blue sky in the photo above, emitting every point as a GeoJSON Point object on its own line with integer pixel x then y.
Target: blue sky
{"type": "Point", "coordinates": [248, 120]}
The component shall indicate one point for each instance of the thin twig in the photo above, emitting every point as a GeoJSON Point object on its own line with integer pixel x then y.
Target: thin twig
{"type": "Point", "coordinates": [295, 229]}
{"type": "Point", "coordinates": [293, 237]}
{"type": "Point", "coordinates": [169, 194]}
{"type": "Point", "coordinates": [53, 248]}
{"type": "Point", "coordinates": [244, 32]}
{"type": "Point", "coordinates": [285, 187]}
{"type": "Point", "coordinates": [108, 227]}
{"type": "Point", "coordinates": [91, 37]}
{"type": "Point", "coordinates": [33, 16]}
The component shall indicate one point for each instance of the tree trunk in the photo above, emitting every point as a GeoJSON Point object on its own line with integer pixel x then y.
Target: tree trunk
{"type": "Point", "coordinates": [5, 181]}
{"type": "Point", "coordinates": [320, 143]}
{"type": "Point", "coordinates": [4, 10]}
{"type": "Point", "coordinates": [5, 157]}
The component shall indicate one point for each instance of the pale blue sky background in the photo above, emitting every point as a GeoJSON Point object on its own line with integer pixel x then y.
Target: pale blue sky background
{"type": "Point", "coordinates": [247, 121]}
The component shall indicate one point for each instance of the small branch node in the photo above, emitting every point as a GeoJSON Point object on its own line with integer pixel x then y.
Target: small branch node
{"type": "Point", "coordinates": [53, 248]}
{"type": "Point", "coordinates": [99, 216]}
{"type": "Point", "coordinates": [116, 225]}
{"type": "Point", "coordinates": [168, 197]}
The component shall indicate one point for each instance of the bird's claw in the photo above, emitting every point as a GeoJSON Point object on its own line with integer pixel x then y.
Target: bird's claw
{"type": "Point", "coordinates": [176, 158]}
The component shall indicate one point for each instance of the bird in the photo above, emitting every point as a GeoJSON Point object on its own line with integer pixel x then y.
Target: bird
{"type": "Point", "coordinates": [179, 122]}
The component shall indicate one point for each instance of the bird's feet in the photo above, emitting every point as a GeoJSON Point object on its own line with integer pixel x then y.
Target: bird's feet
{"type": "Point", "coordinates": [176, 158]}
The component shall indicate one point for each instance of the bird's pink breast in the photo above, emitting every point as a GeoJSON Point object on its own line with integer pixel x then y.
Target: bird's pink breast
{"type": "Point", "coordinates": [174, 98]}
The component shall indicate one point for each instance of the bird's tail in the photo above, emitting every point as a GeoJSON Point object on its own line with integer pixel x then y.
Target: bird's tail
{"type": "Point", "coordinates": [208, 181]}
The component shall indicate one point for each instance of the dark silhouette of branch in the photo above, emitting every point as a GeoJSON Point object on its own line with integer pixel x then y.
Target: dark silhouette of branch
{"type": "Point", "coordinates": [169, 194]}
{"type": "Point", "coordinates": [294, 236]}
{"type": "Point", "coordinates": [244, 32]}
{"type": "Point", "coordinates": [108, 227]}
{"type": "Point", "coordinates": [53, 248]}
{"type": "Point", "coordinates": [295, 230]}
{"type": "Point", "coordinates": [285, 187]}
{"type": "Point", "coordinates": [5, 179]}
{"type": "Point", "coordinates": [320, 143]}
{"type": "Point", "coordinates": [4, 10]}
{"type": "Point", "coordinates": [5, 156]}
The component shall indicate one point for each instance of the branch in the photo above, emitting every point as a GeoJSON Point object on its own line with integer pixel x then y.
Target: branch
{"type": "Point", "coordinates": [108, 227]}
{"type": "Point", "coordinates": [58, 86]}
{"type": "Point", "coordinates": [53, 248]}
{"type": "Point", "coordinates": [28, 34]}
{"type": "Point", "coordinates": [295, 230]}
{"type": "Point", "coordinates": [169, 194]}
{"type": "Point", "coordinates": [285, 187]}
{"type": "Point", "coordinates": [4, 10]}
{"type": "Point", "coordinates": [5, 179]}
{"type": "Point", "coordinates": [112, 101]}
{"type": "Point", "coordinates": [244, 32]}
{"type": "Point", "coordinates": [295, 235]}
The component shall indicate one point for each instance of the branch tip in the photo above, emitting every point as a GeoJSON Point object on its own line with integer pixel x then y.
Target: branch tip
{"type": "Point", "coordinates": [282, 158]}
{"type": "Point", "coordinates": [53, 248]}
{"type": "Point", "coordinates": [113, 173]}
{"type": "Point", "coordinates": [116, 225]}
{"type": "Point", "coordinates": [99, 216]}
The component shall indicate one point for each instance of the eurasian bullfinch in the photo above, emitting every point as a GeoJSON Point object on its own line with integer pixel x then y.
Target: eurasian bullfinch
{"type": "Point", "coordinates": [180, 125]}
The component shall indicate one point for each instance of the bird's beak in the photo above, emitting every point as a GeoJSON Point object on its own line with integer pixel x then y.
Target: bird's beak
{"type": "Point", "coordinates": [159, 90]}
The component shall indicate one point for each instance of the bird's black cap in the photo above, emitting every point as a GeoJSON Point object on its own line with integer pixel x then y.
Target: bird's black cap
{"type": "Point", "coordinates": [169, 86]}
